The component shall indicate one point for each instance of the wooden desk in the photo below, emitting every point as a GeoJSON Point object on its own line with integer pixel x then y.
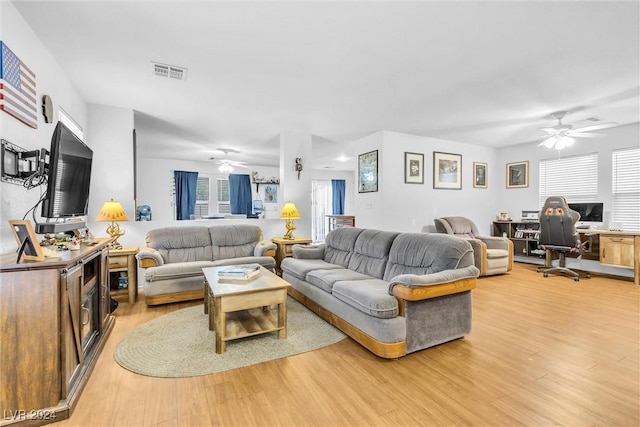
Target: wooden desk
{"type": "Point", "coordinates": [618, 249]}
{"type": "Point", "coordinates": [284, 249]}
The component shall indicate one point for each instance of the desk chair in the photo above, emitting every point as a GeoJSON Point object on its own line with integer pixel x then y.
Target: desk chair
{"type": "Point", "coordinates": [558, 234]}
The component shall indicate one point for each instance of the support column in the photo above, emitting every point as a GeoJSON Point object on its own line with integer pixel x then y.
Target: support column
{"type": "Point", "coordinates": [296, 187]}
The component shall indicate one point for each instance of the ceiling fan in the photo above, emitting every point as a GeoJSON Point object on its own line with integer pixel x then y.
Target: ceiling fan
{"type": "Point", "coordinates": [226, 164]}
{"type": "Point", "coordinates": [562, 135]}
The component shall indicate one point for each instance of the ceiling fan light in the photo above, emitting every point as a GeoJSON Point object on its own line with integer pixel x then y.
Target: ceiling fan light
{"type": "Point", "coordinates": [226, 168]}
{"type": "Point", "coordinates": [568, 141]}
{"type": "Point", "coordinates": [549, 142]}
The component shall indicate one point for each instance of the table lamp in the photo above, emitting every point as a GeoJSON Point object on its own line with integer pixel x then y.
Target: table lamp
{"type": "Point", "coordinates": [289, 212]}
{"type": "Point", "coordinates": [113, 212]}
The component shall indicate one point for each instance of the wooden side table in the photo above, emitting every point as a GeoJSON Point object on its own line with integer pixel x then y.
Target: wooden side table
{"type": "Point", "coordinates": [284, 249]}
{"type": "Point", "coordinates": [123, 261]}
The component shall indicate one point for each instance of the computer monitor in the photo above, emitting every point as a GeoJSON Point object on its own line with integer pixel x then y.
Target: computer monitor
{"type": "Point", "coordinates": [590, 213]}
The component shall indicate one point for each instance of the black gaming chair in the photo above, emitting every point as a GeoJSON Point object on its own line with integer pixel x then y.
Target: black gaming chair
{"type": "Point", "coordinates": [558, 233]}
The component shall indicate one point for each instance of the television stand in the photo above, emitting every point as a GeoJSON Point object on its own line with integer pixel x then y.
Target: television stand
{"type": "Point", "coordinates": [58, 227]}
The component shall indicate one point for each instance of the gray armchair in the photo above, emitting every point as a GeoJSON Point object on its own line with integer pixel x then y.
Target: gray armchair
{"type": "Point", "coordinates": [492, 255]}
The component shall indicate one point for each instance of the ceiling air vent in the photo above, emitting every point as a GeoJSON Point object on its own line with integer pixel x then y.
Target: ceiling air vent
{"type": "Point", "coordinates": [170, 71]}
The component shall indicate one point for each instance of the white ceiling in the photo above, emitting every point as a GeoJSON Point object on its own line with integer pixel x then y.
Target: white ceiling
{"type": "Point", "coordinates": [487, 73]}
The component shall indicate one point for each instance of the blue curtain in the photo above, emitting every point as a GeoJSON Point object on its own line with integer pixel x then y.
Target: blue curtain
{"type": "Point", "coordinates": [337, 189]}
{"type": "Point", "coordinates": [240, 194]}
{"type": "Point", "coordinates": [186, 186]}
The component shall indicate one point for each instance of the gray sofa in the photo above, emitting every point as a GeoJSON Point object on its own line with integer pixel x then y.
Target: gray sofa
{"type": "Point", "coordinates": [174, 257]}
{"type": "Point", "coordinates": [394, 293]}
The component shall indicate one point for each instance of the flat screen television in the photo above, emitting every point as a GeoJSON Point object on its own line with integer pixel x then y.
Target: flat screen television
{"type": "Point", "coordinates": [590, 213]}
{"type": "Point", "coordinates": [68, 177]}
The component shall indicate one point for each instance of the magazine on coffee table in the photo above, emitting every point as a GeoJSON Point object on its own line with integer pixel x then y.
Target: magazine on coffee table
{"type": "Point", "coordinates": [240, 271]}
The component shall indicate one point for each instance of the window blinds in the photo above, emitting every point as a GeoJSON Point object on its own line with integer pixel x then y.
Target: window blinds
{"type": "Point", "coordinates": [626, 189]}
{"type": "Point", "coordinates": [575, 178]}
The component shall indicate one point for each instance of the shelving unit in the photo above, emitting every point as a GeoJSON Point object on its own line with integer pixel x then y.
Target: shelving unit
{"type": "Point", "coordinates": [525, 236]}
{"type": "Point", "coordinates": [123, 274]}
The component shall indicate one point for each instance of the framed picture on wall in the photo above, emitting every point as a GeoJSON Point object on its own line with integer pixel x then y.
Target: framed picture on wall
{"type": "Point", "coordinates": [479, 175]}
{"type": "Point", "coordinates": [368, 172]}
{"type": "Point", "coordinates": [271, 194]}
{"type": "Point", "coordinates": [413, 168]}
{"type": "Point", "coordinates": [447, 171]}
{"type": "Point", "coordinates": [518, 174]}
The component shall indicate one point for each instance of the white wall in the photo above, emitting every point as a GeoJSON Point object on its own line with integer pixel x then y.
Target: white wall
{"type": "Point", "coordinates": [515, 201]}
{"type": "Point", "coordinates": [155, 177]}
{"type": "Point", "coordinates": [413, 207]}
{"type": "Point", "coordinates": [369, 208]}
{"type": "Point", "coordinates": [110, 130]}
{"type": "Point", "coordinates": [50, 80]}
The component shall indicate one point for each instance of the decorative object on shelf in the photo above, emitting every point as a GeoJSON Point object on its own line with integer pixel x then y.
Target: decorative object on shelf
{"type": "Point", "coordinates": [368, 172]}
{"type": "Point", "coordinates": [18, 90]}
{"type": "Point", "coordinates": [113, 212]}
{"type": "Point", "coordinates": [504, 216]}
{"type": "Point", "coordinates": [29, 247]}
{"type": "Point", "coordinates": [413, 168]}
{"type": "Point", "coordinates": [479, 175]}
{"type": "Point", "coordinates": [47, 109]}
{"type": "Point", "coordinates": [518, 174]}
{"type": "Point", "coordinates": [289, 212]}
{"type": "Point", "coordinates": [143, 213]}
{"type": "Point", "coordinates": [298, 166]}
{"type": "Point", "coordinates": [447, 171]}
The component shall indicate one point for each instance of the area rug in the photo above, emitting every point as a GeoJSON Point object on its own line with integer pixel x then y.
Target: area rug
{"type": "Point", "coordinates": [180, 344]}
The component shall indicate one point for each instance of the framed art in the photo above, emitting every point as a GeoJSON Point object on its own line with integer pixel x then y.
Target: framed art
{"type": "Point", "coordinates": [479, 175]}
{"type": "Point", "coordinates": [413, 168]}
{"type": "Point", "coordinates": [271, 194]}
{"type": "Point", "coordinates": [447, 171]}
{"type": "Point", "coordinates": [518, 174]}
{"type": "Point", "coordinates": [29, 247]}
{"type": "Point", "coordinates": [368, 172]}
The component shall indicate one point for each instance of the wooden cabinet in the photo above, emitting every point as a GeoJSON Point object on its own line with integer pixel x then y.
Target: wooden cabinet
{"type": "Point", "coordinates": [617, 250]}
{"type": "Point", "coordinates": [284, 249]}
{"type": "Point", "coordinates": [54, 321]}
{"type": "Point", "coordinates": [123, 274]}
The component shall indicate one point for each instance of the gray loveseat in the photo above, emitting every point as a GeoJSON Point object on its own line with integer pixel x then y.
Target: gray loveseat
{"type": "Point", "coordinates": [394, 293]}
{"type": "Point", "coordinates": [174, 257]}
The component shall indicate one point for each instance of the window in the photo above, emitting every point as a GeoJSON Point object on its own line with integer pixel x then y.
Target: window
{"type": "Point", "coordinates": [202, 197]}
{"type": "Point", "coordinates": [68, 121]}
{"type": "Point", "coordinates": [223, 196]}
{"type": "Point", "coordinates": [575, 178]}
{"type": "Point", "coordinates": [626, 189]}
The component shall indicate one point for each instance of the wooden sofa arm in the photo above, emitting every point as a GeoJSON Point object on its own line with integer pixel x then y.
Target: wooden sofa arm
{"type": "Point", "coordinates": [147, 262]}
{"type": "Point", "coordinates": [433, 291]}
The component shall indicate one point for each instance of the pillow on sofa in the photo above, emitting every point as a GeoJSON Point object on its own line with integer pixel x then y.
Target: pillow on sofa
{"type": "Point", "coordinates": [180, 244]}
{"type": "Point", "coordinates": [234, 241]}
{"type": "Point", "coordinates": [425, 253]}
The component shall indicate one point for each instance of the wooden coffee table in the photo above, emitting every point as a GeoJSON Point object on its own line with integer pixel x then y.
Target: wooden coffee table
{"type": "Point", "coordinates": [240, 309]}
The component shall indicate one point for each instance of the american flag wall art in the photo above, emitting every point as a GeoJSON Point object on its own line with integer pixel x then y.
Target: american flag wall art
{"type": "Point", "coordinates": [17, 88]}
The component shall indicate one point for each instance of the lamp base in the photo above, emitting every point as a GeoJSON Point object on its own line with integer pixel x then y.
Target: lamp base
{"type": "Point", "coordinates": [290, 227]}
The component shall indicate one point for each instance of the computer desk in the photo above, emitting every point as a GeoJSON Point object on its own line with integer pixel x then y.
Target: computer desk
{"type": "Point", "coordinates": [613, 248]}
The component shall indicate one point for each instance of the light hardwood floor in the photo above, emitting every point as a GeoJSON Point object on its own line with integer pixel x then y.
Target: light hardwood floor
{"type": "Point", "coordinates": [542, 352]}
